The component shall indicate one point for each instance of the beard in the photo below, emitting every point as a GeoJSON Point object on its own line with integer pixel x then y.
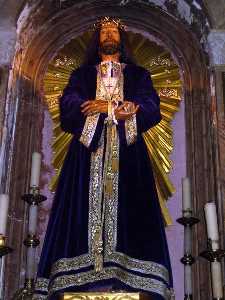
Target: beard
{"type": "Point", "coordinates": [109, 47]}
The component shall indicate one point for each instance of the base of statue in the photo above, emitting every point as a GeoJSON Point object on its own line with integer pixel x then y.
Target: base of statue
{"type": "Point", "coordinates": [105, 296]}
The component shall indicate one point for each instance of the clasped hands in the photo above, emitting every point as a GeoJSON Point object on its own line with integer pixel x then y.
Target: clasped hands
{"type": "Point", "coordinates": [122, 112]}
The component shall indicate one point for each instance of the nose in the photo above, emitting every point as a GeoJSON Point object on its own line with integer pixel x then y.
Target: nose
{"type": "Point", "coordinates": [109, 34]}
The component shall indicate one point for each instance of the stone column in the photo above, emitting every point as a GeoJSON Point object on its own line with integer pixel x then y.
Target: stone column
{"type": "Point", "coordinates": [7, 50]}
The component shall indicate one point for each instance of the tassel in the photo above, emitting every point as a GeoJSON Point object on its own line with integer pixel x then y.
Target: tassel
{"type": "Point", "coordinates": [115, 165]}
{"type": "Point", "coordinates": [98, 263]}
{"type": "Point", "coordinates": [108, 186]}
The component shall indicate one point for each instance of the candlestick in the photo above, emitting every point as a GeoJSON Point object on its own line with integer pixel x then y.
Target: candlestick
{"type": "Point", "coordinates": [34, 198]}
{"type": "Point", "coordinates": [186, 196]}
{"type": "Point", "coordinates": [187, 280]}
{"type": "Point", "coordinates": [4, 249]}
{"type": "Point", "coordinates": [217, 284]}
{"type": "Point", "coordinates": [30, 267]}
{"type": "Point", "coordinates": [4, 205]}
{"type": "Point", "coordinates": [212, 224]}
{"type": "Point", "coordinates": [215, 256]}
{"type": "Point", "coordinates": [33, 215]}
{"type": "Point", "coordinates": [35, 169]}
{"type": "Point", "coordinates": [187, 220]}
{"type": "Point", "coordinates": [187, 239]}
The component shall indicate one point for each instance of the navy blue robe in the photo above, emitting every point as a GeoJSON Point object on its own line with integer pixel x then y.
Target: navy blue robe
{"type": "Point", "coordinates": [141, 260]}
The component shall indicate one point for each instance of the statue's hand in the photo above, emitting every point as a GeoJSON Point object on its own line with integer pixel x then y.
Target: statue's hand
{"type": "Point", "coordinates": [126, 110]}
{"type": "Point", "coordinates": [94, 106]}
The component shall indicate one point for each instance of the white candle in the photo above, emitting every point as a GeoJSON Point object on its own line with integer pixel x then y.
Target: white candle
{"type": "Point", "coordinates": [35, 169]}
{"type": "Point", "coordinates": [212, 224]}
{"type": "Point", "coordinates": [187, 280]}
{"type": "Point", "coordinates": [186, 196]}
{"type": "Point", "coordinates": [30, 267]}
{"type": "Point", "coordinates": [4, 205]}
{"type": "Point", "coordinates": [33, 215]}
{"type": "Point", "coordinates": [187, 240]}
{"type": "Point", "coordinates": [217, 285]}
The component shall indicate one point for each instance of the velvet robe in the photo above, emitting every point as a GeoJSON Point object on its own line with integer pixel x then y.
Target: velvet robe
{"type": "Point", "coordinates": [141, 261]}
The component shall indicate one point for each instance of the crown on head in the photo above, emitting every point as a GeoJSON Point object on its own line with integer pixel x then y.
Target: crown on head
{"type": "Point", "coordinates": [107, 21]}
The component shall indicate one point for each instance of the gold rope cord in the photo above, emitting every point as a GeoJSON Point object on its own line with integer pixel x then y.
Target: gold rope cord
{"type": "Point", "coordinates": [166, 80]}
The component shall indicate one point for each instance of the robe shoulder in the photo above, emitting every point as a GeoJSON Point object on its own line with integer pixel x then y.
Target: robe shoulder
{"type": "Point", "coordinates": [136, 72]}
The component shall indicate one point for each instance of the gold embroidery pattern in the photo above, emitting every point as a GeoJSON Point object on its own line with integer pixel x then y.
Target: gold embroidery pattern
{"type": "Point", "coordinates": [42, 284]}
{"type": "Point", "coordinates": [111, 203]}
{"type": "Point", "coordinates": [95, 198]}
{"type": "Point", "coordinates": [89, 129]}
{"type": "Point", "coordinates": [39, 297]}
{"type": "Point", "coordinates": [148, 284]}
{"type": "Point", "coordinates": [131, 130]}
{"type": "Point", "coordinates": [73, 263]}
{"type": "Point", "coordinates": [144, 267]}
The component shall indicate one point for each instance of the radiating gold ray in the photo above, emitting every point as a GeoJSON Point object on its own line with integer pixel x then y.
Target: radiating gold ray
{"type": "Point", "coordinates": [166, 80]}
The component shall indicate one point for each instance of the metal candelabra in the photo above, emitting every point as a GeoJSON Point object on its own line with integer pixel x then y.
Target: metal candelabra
{"type": "Point", "coordinates": [214, 256]}
{"type": "Point", "coordinates": [187, 220]}
{"type": "Point", "coordinates": [4, 249]}
{"type": "Point", "coordinates": [34, 198]}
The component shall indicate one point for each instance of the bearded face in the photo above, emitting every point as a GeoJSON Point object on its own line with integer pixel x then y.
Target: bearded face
{"type": "Point", "coordinates": [109, 40]}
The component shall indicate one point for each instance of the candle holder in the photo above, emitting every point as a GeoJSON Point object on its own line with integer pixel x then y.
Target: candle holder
{"type": "Point", "coordinates": [213, 256]}
{"type": "Point", "coordinates": [187, 220]}
{"type": "Point", "coordinates": [34, 198]}
{"type": "Point", "coordinates": [4, 249]}
{"type": "Point", "coordinates": [26, 292]}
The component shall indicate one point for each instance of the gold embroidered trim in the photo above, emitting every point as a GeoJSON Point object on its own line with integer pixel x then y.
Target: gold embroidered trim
{"type": "Point", "coordinates": [39, 297]}
{"type": "Point", "coordinates": [73, 263]}
{"type": "Point", "coordinates": [41, 284]}
{"type": "Point", "coordinates": [147, 284]}
{"type": "Point", "coordinates": [144, 267]}
{"type": "Point", "coordinates": [89, 129]}
{"type": "Point", "coordinates": [95, 200]}
{"type": "Point", "coordinates": [131, 129]}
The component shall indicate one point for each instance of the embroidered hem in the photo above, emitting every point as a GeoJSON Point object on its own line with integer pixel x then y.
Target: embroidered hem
{"type": "Point", "coordinates": [70, 280]}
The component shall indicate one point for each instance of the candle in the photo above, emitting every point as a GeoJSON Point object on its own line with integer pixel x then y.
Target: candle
{"type": "Point", "coordinates": [35, 169]}
{"type": "Point", "coordinates": [217, 285]}
{"type": "Point", "coordinates": [212, 224]}
{"type": "Point", "coordinates": [186, 196]}
{"type": "Point", "coordinates": [30, 267]}
{"type": "Point", "coordinates": [33, 214]}
{"type": "Point", "coordinates": [4, 205]}
{"type": "Point", "coordinates": [187, 280]}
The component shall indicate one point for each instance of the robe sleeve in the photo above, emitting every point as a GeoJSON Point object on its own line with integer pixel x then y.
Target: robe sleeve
{"type": "Point", "coordinates": [148, 114]}
{"type": "Point", "coordinates": [87, 129]}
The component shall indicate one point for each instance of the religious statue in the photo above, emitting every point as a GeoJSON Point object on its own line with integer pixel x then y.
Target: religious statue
{"type": "Point", "coordinates": [106, 229]}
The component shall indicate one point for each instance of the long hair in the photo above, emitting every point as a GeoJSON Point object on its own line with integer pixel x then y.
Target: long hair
{"type": "Point", "coordinates": [92, 54]}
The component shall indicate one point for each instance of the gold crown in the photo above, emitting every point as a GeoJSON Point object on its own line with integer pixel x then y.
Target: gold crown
{"type": "Point", "coordinates": [106, 21]}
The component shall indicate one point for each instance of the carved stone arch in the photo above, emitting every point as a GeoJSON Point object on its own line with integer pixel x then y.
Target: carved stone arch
{"type": "Point", "coordinates": [50, 37]}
